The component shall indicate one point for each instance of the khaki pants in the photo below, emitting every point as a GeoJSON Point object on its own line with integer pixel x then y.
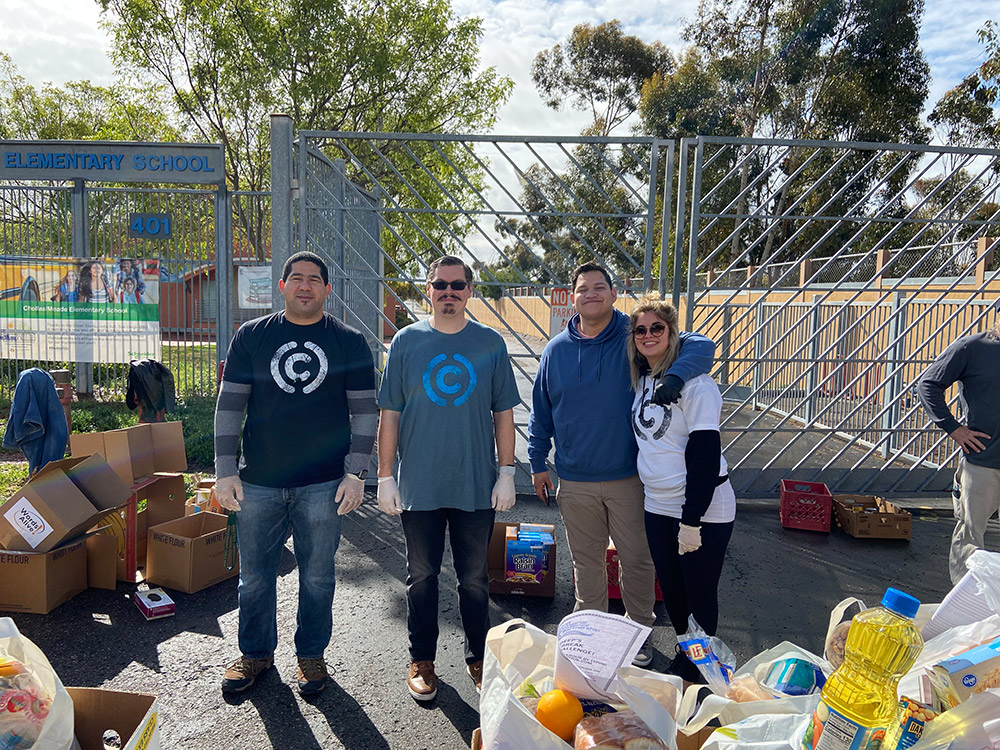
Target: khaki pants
{"type": "Point", "coordinates": [978, 501]}
{"type": "Point", "coordinates": [593, 511]}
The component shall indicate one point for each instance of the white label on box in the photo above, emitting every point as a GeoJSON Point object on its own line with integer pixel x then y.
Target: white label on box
{"type": "Point", "coordinates": [28, 522]}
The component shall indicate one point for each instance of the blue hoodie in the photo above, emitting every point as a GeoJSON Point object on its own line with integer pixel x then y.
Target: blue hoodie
{"type": "Point", "coordinates": [583, 395]}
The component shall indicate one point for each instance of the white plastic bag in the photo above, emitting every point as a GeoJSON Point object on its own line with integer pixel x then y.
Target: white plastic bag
{"type": "Point", "coordinates": [963, 727]}
{"type": "Point", "coordinates": [730, 712]}
{"type": "Point", "coordinates": [57, 732]}
{"type": "Point", "coordinates": [655, 697]}
{"type": "Point", "coordinates": [515, 652]}
{"type": "Point", "coordinates": [762, 732]}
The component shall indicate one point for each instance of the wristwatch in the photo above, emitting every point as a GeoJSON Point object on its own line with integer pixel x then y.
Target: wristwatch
{"type": "Point", "coordinates": [362, 475]}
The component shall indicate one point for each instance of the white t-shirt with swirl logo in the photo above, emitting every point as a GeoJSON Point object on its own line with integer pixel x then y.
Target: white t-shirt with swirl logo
{"type": "Point", "coordinates": [662, 434]}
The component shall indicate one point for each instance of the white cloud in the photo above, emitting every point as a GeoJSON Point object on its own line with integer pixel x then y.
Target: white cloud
{"type": "Point", "coordinates": [60, 40]}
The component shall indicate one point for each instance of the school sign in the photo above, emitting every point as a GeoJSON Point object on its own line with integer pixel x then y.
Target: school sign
{"type": "Point", "coordinates": [113, 161]}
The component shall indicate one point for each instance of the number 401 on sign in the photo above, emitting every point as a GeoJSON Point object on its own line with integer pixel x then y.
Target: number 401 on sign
{"type": "Point", "coordinates": [149, 226]}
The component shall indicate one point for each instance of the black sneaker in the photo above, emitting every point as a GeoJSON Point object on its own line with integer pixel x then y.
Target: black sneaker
{"type": "Point", "coordinates": [241, 673]}
{"type": "Point", "coordinates": [312, 676]}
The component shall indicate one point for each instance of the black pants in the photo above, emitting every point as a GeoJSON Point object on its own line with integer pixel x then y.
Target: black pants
{"type": "Point", "coordinates": [690, 582]}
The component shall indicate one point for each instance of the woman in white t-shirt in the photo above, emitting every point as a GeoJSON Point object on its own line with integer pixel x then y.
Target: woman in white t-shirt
{"type": "Point", "coordinates": [690, 505]}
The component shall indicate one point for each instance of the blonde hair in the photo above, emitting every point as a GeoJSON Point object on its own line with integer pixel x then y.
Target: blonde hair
{"type": "Point", "coordinates": [637, 363]}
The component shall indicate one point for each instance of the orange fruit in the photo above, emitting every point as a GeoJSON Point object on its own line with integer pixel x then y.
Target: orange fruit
{"type": "Point", "coordinates": [559, 712]}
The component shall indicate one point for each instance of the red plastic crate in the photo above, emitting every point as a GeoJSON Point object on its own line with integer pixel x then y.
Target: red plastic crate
{"type": "Point", "coordinates": [805, 505]}
{"type": "Point", "coordinates": [614, 584]}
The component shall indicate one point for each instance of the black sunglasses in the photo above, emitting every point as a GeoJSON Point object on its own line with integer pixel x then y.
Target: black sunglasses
{"type": "Point", "coordinates": [458, 285]}
{"type": "Point", "coordinates": [656, 329]}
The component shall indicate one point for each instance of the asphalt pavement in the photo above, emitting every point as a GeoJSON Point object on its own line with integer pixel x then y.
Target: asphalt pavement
{"type": "Point", "coordinates": [778, 584]}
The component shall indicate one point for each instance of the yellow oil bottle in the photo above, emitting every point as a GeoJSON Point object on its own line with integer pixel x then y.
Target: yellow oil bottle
{"type": "Point", "coordinates": [859, 700]}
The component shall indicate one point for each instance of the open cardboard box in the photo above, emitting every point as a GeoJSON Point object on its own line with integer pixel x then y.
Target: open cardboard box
{"type": "Point", "coordinates": [189, 554]}
{"type": "Point", "coordinates": [497, 555]}
{"type": "Point", "coordinates": [38, 582]}
{"type": "Point", "coordinates": [871, 517]}
{"type": "Point", "coordinates": [134, 717]}
{"type": "Point", "coordinates": [62, 501]}
{"type": "Point", "coordinates": [138, 451]}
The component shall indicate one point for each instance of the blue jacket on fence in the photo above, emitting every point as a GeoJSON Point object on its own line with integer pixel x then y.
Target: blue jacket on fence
{"type": "Point", "coordinates": [37, 424]}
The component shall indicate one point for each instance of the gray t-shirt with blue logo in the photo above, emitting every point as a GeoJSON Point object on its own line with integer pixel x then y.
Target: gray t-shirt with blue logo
{"type": "Point", "coordinates": [446, 387]}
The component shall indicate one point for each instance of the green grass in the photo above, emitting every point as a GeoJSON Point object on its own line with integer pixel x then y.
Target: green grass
{"type": "Point", "coordinates": [196, 413]}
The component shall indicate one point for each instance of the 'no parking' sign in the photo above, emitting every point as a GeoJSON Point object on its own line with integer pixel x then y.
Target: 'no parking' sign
{"type": "Point", "coordinates": [561, 310]}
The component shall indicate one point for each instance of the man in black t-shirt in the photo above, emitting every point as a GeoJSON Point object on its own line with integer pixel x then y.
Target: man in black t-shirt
{"type": "Point", "coordinates": [306, 383]}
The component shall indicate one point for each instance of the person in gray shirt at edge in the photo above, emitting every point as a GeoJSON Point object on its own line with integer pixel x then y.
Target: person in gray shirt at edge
{"type": "Point", "coordinates": [582, 399]}
{"type": "Point", "coordinates": [973, 361]}
{"type": "Point", "coordinates": [306, 382]}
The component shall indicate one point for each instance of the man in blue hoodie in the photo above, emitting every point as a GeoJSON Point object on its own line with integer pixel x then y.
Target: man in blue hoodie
{"type": "Point", "coordinates": [582, 397]}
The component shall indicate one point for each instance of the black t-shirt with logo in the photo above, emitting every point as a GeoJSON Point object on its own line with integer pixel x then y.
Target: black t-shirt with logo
{"type": "Point", "coordinates": [297, 430]}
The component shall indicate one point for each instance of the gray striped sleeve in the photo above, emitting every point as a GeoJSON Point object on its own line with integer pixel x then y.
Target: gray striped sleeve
{"type": "Point", "coordinates": [364, 424]}
{"type": "Point", "coordinates": [229, 411]}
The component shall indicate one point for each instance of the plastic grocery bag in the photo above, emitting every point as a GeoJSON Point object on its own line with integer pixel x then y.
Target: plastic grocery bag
{"type": "Point", "coordinates": [985, 566]}
{"type": "Point", "coordinates": [57, 731]}
{"type": "Point", "coordinates": [655, 697]}
{"type": "Point", "coordinates": [962, 727]}
{"type": "Point", "coordinates": [763, 732]}
{"type": "Point", "coordinates": [944, 646]}
{"type": "Point", "coordinates": [516, 653]}
{"type": "Point", "coordinates": [693, 717]}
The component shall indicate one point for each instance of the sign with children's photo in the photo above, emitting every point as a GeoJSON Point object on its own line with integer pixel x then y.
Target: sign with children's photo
{"type": "Point", "coordinates": [79, 309]}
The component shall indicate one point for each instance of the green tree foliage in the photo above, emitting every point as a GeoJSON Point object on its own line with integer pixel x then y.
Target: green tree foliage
{"type": "Point", "coordinates": [967, 114]}
{"type": "Point", "coordinates": [599, 70]}
{"type": "Point", "coordinates": [79, 110]}
{"type": "Point", "coordinates": [366, 66]}
{"type": "Point", "coordinates": [849, 70]}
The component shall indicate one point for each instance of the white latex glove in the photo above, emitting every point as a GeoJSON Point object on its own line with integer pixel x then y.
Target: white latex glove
{"type": "Point", "coordinates": [688, 539]}
{"type": "Point", "coordinates": [388, 496]}
{"type": "Point", "coordinates": [229, 492]}
{"type": "Point", "coordinates": [503, 495]}
{"type": "Point", "coordinates": [350, 494]}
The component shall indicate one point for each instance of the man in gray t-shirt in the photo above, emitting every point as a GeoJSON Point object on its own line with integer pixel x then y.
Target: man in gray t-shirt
{"type": "Point", "coordinates": [446, 400]}
{"type": "Point", "coordinates": [973, 361]}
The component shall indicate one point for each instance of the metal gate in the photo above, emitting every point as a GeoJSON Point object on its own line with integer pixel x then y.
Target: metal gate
{"type": "Point", "coordinates": [380, 207]}
{"type": "Point", "coordinates": [830, 275]}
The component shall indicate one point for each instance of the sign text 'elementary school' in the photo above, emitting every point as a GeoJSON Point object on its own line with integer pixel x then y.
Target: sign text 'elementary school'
{"type": "Point", "coordinates": [112, 161]}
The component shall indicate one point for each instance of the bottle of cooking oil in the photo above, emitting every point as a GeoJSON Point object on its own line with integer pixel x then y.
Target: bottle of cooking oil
{"type": "Point", "coordinates": [859, 700]}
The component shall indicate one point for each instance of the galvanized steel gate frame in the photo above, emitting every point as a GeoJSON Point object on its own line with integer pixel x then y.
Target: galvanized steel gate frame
{"type": "Point", "coordinates": [820, 349]}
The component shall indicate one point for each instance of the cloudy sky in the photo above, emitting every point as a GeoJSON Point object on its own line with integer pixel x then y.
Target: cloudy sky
{"type": "Point", "coordinates": [60, 40]}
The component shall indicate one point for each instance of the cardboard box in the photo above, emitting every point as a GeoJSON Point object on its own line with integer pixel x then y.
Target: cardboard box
{"type": "Point", "coordinates": [102, 562]}
{"type": "Point", "coordinates": [614, 576]}
{"type": "Point", "coordinates": [168, 447]}
{"type": "Point", "coordinates": [970, 672]}
{"type": "Point", "coordinates": [129, 451]}
{"type": "Point", "coordinates": [134, 717]}
{"type": "Point", "coordinates": [694, 741]}
{"type": "Point", "coordinates": [188, 554]}
{"type": "Point", "coordinates": [62, 501]}
{"type": "Point", "coordinates": [154, 604]}
{"type": "Point", "coordinates": [40, 582]}
{"type": "Point", "coordinates": [871, 517]}
{"type": "Point", "coordinates": [497, 564]}
{"type": "Point", "coordinates": [136, 452]}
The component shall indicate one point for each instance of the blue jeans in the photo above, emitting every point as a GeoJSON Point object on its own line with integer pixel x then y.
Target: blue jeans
{"type": "Point", "coordinates": [267, 516]}
{"type": "Point", "coordinates": [470, 538]}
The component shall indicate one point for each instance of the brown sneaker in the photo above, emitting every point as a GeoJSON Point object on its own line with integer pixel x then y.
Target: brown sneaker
{"type": "Point", "coordinates": [312, 676]}
{"type": "Point", "coordinates": [476, 673]}
{"type": "Point", "coordinates": [422, 682]}
{"type": "Point", "coordinates": [241, 673]}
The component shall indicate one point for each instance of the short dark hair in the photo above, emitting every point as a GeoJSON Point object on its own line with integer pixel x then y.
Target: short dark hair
{"type": "Point", "coordinates": [448, 260]}
{"type": "Point", "coordinates": [588, 267]}
{"type": "Point", "coordinates": [286, 270]}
